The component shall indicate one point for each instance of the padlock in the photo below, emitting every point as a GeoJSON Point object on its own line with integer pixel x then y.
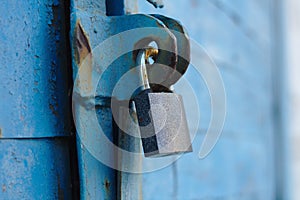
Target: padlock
{"type": "Point", "coordinates": [161, 118]}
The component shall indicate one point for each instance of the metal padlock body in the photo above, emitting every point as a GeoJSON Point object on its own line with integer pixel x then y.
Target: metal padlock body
{"type": "Point", "coordinates": [163, 124]}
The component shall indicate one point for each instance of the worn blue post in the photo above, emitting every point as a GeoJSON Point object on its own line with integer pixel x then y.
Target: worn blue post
{"type": "Point", "coordinates": [97, 181]}
{"type": "Point", "coordinates": [34, 103]}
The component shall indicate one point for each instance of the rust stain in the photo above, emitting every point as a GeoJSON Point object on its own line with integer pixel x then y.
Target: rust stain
{"type": "Point", "coordinates": [83, 54]}
{"type": "Point", "coordinates": [106, 185]}
{"type": "Point", "coordinates": [53, 110]}
{"type": "Point", "coordinates": [81, 44]}
{"type": "Point", "coordinates": [151, 52]}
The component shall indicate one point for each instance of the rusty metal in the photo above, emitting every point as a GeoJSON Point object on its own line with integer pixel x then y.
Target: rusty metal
{"type": "Point", "coordinates": [183, 48]}
{"type": "Point", "coordinates": [151, 52]}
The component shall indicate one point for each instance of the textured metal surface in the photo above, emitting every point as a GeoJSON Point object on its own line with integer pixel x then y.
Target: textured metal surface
{"type": "Point", "coordinates": [34, 104]}
{"type": "Point", "coordinates": [129, 185]}
{"type": "Point", "coordinates": [90, 6]}
{"type": "Point", "coordinates": [35, 169]}
{"type": "Point", "coordinates": [34, 91]}
{"type": "Point", "coordinates": [163, 125]}
{"type": "Point", "coordinates": [97, 181]}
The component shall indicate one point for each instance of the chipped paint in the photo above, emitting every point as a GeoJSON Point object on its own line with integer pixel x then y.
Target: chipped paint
{"type": "Point", "coordinates": [81, 44]}
{"type": "Point", "coordinates": [83, 55]}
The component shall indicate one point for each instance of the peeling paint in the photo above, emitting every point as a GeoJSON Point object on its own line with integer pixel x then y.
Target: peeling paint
{"type": "Point", "coordinates": [82, 52]}
{"type": "Point", "coordinates": [81, 43]}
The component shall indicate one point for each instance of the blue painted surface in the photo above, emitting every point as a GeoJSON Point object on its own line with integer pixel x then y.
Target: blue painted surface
{"type": "Point", "coordinates": [97, 181]}
{"type": "Point", "coordinates": [34, 103]}
{"type": "Point", "coordinates": [34, 169]}
{"type": "Point", "coordinates": [237, 34]}
{"type": "Point", "coordinates": [34, 90]}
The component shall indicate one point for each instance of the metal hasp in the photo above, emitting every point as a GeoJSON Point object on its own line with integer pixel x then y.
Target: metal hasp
{"type": "Point", "coordinates": [103, 50]}
{"type": "Point", "coordinates": [34, 105]}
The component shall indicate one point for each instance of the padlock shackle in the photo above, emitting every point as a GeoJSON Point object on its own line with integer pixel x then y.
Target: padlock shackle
{"type": "Point", "coordinates": [141, 65]}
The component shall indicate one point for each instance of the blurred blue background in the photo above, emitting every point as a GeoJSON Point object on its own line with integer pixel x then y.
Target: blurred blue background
{"type": "Point", "coordinates": [255, 45]}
